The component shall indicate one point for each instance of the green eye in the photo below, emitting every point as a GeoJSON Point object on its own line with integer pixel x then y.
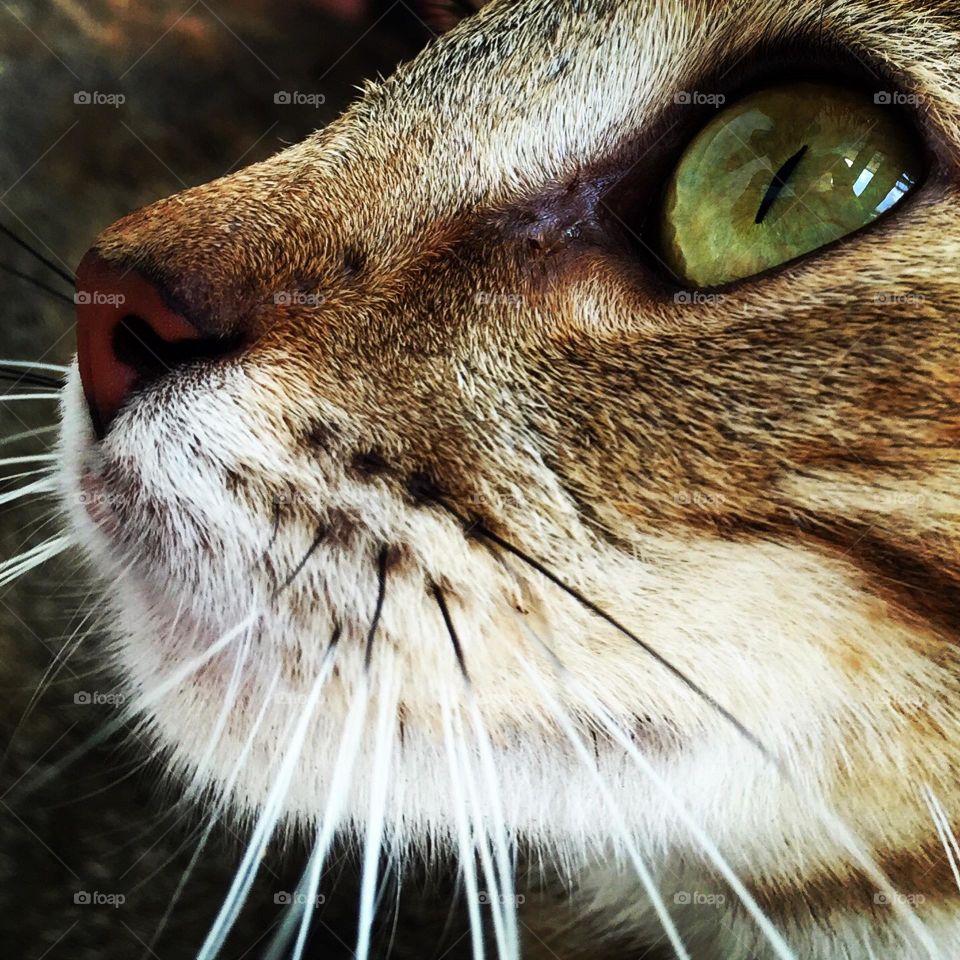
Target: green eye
{"type": "Point", "coordinates": [780, 173]}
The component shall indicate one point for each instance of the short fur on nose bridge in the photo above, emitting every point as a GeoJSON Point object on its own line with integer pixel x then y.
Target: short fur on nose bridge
{"type": "Point", "coordinates": [128, 336]}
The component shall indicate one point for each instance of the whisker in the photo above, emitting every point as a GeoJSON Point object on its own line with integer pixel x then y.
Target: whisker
{"type": "Point", "coordinates": [17, 375]}
{"type": "Point", "coordinates": [270, 815]}
{"type": "Point", "coordinates": [378, 610]}
{"type": "Point", "coordinates": [383, 753]}
{"type": "Point", "coordinates": [477, 529]}
{"type": "Point", "coordinates": [483, 845]}
{"type": "Point", "coordinates": [317, 540]}
{"type": "Point", "coordinates": [39, 284]}
{"type": "Point", "coordinates": [336, 801]}
{"type": "Point", "coordinates": [27, 434]}
{"type": "Point", "coordinates": [451, 630]}
{"type": "Point", "coordinates": [944, 831]}
{"type": "Point", "coordinates": [500, 842]}
{"type": "Point", "coordinates": [17, 566]}
{"type": "Point", "coordinates": [639, 864]}
{"type": "Point", "coordinates": [465, 843]}
{"type": "Point", "coordinates": [158, 693]}
{"type": "Point", "coordinates": [10, 397]}
{"type": "Point", "coordinates": [211, 823]}
{"type": "Point", "coordinates": [67, 648]}
{"type": "Point", "coordinates": [35, 458]}
{"type": "Point", "coordinates": [36, 254]}
{"type": "Point", "coordinates": [504, 864]}
{"type": "Point", "coordinates": [36, 365]}
{"type": "Point", "coordinates": [840, 830]}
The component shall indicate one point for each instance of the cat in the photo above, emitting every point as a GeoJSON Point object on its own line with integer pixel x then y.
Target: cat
{"type": "Point", "coordinates": [552, 459]}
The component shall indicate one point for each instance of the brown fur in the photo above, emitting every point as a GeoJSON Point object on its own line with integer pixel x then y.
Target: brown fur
{"type": "Point", "coordinates": [781, 415]}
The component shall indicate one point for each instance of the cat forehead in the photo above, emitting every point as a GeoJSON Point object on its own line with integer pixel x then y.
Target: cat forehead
{"type": "Point", "coordinates": [526, 93]}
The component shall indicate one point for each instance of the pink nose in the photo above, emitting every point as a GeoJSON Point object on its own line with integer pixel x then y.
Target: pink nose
{"type": "Point", "coordinates": [127, 337]}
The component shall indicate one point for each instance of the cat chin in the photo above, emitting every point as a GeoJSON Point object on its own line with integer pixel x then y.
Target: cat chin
{"type": "Point", "coordinates": [246, 611]}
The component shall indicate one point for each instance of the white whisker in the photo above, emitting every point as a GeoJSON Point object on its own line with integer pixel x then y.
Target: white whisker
{"type": "Point", "coordinates": [27, 434]}
{"type": "Point", "coordinates": [639, 864]}
{"type": "Point", "coordinates": [23, 562]}
{"type": "Point", "coordinates": [272, 808]}
{"type": "Point", "coordinates": [468, 866]}
{"type": "Point", "coordinates": [482, 841]}
{"type": "Point", "coordinates": [383, 752]}
{"type": "Point", "coordinates": [7, 397]}
{"type": "Point", "coordinates": [219, 806]}
{"type": "Point", "coordinates": [336, 801]}
{"type": "Point", "coordinates": [944, 831]}
{"type": "Point", "coordinates": [47, 485]}
{"type": "Point", "coordinates": [229, 701]}
{"type": "Point", "coordinates": [498, 823]}
{"type": "Point", "coordinates": [142, 703]}
{"type": "Point", "coordinates": [35, 365]}
{"type": "Point", "coordinates": [35, 458]}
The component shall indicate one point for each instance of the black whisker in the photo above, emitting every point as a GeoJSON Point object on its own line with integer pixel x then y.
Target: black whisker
{"type": "Point", "coordinates": [477, 529]}
{"type": "Point", "coordinates": [46, 261]}
{"type": "Point", "coordinates": [451, 630]}
{"type": "Point", "coordinates": [274, 531]}
{"type": "Point", "coordinates": [28, 378]}
{"type": "Point", "coordinates": [39, 284]}
{"type": "Point", "coordinates": [317, 540]}
{"type": "Point", "coordinates": [378, 610]}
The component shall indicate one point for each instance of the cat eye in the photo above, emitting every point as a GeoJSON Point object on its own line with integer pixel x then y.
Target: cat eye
{"type": "Point", "coordinates": [780, 173]}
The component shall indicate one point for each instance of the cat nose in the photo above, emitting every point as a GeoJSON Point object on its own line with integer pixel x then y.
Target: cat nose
{"type": "Point", "coordinates": [128, 337]}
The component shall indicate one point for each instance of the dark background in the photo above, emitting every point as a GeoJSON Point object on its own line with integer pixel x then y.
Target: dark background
{"type": "Point", "coordinates": [199, 82]}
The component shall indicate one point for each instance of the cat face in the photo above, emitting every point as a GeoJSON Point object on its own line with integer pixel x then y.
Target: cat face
{"type": "Point", "coordinates": [444, 465]}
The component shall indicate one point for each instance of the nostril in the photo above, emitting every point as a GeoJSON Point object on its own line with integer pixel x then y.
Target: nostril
{"type": "Point", "coordinates": [128, 336]}
{"type": "Point", "coordinates": [137, 345]}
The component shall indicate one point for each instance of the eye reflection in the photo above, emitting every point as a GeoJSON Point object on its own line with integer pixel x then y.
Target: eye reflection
{"type": "Point", "coordinates": [780, 173]}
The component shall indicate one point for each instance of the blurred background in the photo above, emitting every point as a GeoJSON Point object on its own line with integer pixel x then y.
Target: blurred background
{"type": "Point", "coordinates": [106, 105]}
